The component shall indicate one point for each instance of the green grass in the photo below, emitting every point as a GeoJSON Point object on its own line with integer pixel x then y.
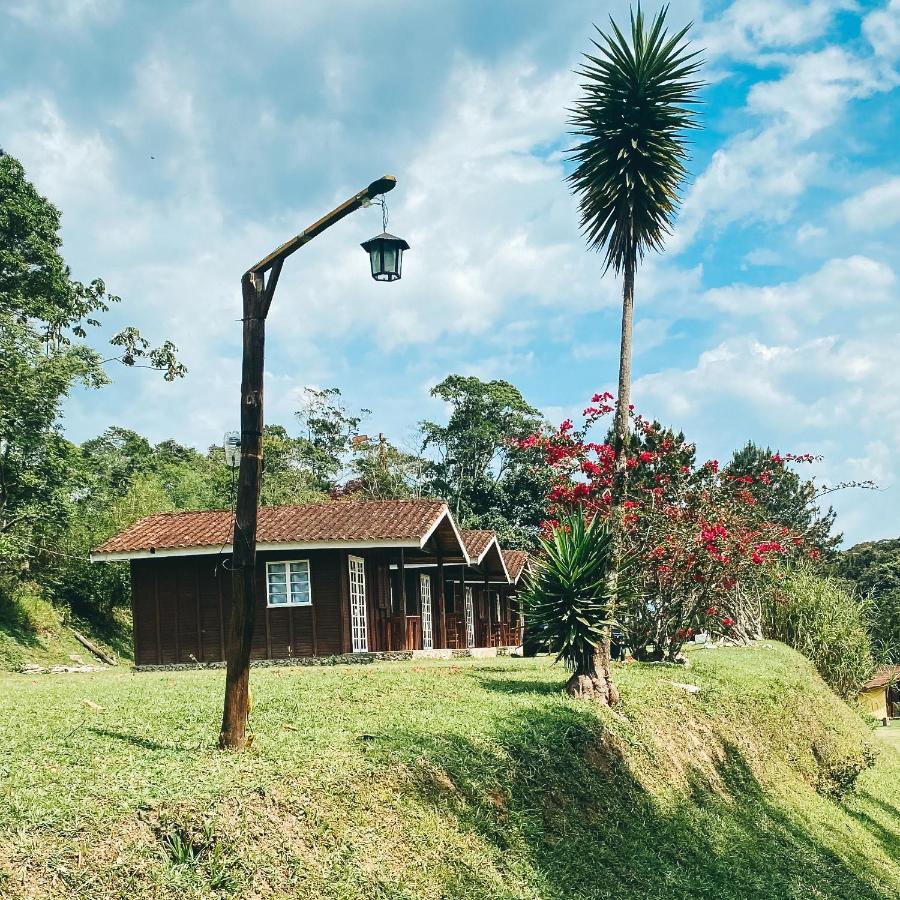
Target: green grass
{"type": "Point", "coordinates": [33, 630]}
{"type": "Point", "coordinates": [475, 779]}
{"type": "Point", "coordinates": [890, 735]}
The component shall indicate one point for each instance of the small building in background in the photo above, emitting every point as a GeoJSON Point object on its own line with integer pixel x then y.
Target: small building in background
{"type": "Point", "coordinates": [880, 695]}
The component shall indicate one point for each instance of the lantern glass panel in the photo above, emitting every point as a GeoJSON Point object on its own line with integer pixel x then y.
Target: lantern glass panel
{"type": "Point", "coordinates": [390, 260]}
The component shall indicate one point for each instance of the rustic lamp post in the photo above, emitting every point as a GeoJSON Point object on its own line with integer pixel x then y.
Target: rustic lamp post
{"type": "Point", "coordinates": [258, 286]}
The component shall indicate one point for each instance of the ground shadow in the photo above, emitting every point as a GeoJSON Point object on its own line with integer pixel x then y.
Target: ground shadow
{"type": "Point", "coordinates": [142, 742]}
{"type": "Point", "coordinates": [517, 685]}
{"type": "Point", "coordinates": [15, 623]}
{"type": "Point", "coordinates": [554, 777]}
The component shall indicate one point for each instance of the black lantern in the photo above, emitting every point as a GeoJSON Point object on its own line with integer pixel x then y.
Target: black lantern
{"type": "Point", "coordinates": [386, 255]}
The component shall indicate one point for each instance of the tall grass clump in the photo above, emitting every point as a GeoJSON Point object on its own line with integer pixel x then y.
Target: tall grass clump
{"type": "Point", "coordinates": [827, 623]}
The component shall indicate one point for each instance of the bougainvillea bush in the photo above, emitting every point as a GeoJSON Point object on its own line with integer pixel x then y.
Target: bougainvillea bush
{"type": "Point", "coordinates": [703, 547]}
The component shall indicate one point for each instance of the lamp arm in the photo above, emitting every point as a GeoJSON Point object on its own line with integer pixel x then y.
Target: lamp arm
{"type": "Point", "coordinates": [277, 257]}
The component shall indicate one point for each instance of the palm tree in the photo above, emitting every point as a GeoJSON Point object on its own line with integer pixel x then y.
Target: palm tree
{"type": "Point", "coordinates": [630, 162]}
{"type": "Point", "coordinates": [566, 601]}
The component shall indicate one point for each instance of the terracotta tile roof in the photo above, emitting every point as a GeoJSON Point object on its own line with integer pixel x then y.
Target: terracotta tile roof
{"type": "Point", "coordinates": [338, 521]}
{"type": "Point", "coordinates": [476, 541]}
{"type": "Point", "coordinates": [515, 562]}
{"type": "Point", "coordinates": [882, 678]}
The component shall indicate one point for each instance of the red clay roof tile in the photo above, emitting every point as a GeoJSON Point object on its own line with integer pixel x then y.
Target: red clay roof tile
{"type": "Point", "coordinates": [338, 521]}
{"type": "Point", "coordinates": [476, 541]}
{"type": "Point", "coordinates": [515, 563]}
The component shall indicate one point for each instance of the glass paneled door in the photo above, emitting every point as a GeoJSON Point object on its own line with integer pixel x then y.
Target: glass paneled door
{"type": "Point", "coordinates": [359, 626]}
{"type": "Point", "coordinates": [425, 595]}
{"type": "Point", "coordinates": [470, 618]}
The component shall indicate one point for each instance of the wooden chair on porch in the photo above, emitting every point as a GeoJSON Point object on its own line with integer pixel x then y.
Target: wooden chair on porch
{"type": "Point", "coordinates": [453, 632]}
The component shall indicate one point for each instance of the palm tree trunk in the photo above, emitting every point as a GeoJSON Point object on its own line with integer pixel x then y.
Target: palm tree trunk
{"type": "Point", "coordinates": [622, 423]}
{"type": "Point", "coordinates": [604, 689]}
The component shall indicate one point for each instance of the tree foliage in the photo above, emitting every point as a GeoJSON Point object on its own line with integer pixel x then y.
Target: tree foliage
{"type": "Point", "coordinates": [787, 498]}
{"type": "Point", "coordinates": [638, 101]}
{"type": "Point", "coordinates": [873, 568]}
{"type": "Point", "coordinates": [44, 354]}
{"type": "Point", "coordinates": [479, 467]}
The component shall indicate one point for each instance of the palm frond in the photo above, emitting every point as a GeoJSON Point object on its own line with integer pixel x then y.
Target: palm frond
{"type": "Point", "coordinates": [639, 99]}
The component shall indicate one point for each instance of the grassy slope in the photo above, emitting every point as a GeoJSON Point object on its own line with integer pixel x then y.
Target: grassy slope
{"type": "Point", "coordinates": [36, 634]}
{"type": "Point", "coordinates": [476, 779]}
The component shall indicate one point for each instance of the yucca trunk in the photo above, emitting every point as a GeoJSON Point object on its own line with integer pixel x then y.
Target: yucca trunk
{"type": "Point", "coordinates": [594, 681]}
{"type": "Point", "coordinates": [603, 688]}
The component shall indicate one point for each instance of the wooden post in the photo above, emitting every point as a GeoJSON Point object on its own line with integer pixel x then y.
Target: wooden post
{"type": "Point", "coordinates": [441, 604]}
{"type": "Point", "coordinates": [257, 291]}
{"type": "Point", "coordinates": [346, 612]}
{"type": "Point", "coordinates": [243, 560]}
{"type": "Point", "coordinates": [487, 602]}
{"type": "Point", "coordinates": [401, 577]}
{"type": "Point", "coordinates": [465, 605]}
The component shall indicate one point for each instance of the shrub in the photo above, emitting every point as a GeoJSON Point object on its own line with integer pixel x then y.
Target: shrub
{"type": "Point", "coordinates": [825, 622]}
{"type": "Point", "coordinates": [568, 601]}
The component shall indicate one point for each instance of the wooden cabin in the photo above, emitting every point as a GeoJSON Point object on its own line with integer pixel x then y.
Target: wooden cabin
{"type": "Point", "coordinates": [333, 578]}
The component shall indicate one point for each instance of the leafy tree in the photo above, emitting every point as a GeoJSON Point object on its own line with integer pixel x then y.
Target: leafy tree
{"type": "Point", "coordinates": [702, 543]}
{"type": "Point", "coordinates": [788, 499]}
{"type": "Point", "coordinates": [289, 476]}
{"type": "Point", "coordinates": [381, 471]}
{"type": "Point", "coordinates": [873, 568]}
{"type": "Point", "coordinates": [36, 462]}
{"type": "Point", "coordinates": [44, 318]}
{"type": "Point", "coordinates": [481, 468]}
{"type": "Point", "coordinates": [637, 104]}
{"type": "Point", "coordinates": [566, 601]}
{"type": "Point", "coordinates": [327, 433]}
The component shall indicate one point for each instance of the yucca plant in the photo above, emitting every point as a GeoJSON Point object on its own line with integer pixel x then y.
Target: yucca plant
{"type": "Point", "coordinates": [637, 104]}
{"type": "Point", "coordinates": [567, 601]}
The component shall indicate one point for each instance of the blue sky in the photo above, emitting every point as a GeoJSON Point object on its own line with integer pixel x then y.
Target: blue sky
{"type": "Point", "coordinates": [772, 315]}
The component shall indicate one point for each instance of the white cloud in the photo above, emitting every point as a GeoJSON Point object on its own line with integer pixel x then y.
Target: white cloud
{"type": "Point", "coordinates": [839, 285]}
{"type": "Point", "coordinates": [749, 26]}
{"type": "Point", "coordinates": [64, 13]}
{"type": "Point", "coordinates": [814, 92]}
{"type": "Point", "coordinates": [760, 175]}
{"type": "Point", "coordinates": [69, 166]}
{"type": "Point", "coordinates": [876, 208]}
{"type": "Point", "coordinates": [882, 29]}
{"type": "Point", "coordinates": [808, 232]}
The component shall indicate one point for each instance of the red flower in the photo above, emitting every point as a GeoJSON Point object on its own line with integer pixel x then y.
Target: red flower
{"type": "Point", "coordinates": [727, 622]}
{"type": "Point", "coordinates": [646, 456]}
{"type": "Point", "coordinates": [712, 611]}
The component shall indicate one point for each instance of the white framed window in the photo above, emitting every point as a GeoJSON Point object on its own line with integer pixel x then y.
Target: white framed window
{"type": "Point", "coordinates": [470, 618]}
{"type": "Point", "coordinates": [287, 583]}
